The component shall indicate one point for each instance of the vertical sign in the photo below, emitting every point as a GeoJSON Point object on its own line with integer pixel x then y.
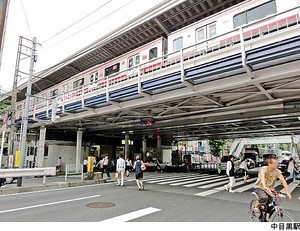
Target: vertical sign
{"type": "Point", "coordinates": [90, 167]}
{"type": "Point", "coordinates": [17, 162]}
{"type": "Point", "coordinates": [3, 19]}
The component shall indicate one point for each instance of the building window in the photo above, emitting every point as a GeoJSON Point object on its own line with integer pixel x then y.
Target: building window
{"type": "Point", "coordinates": [53, 93]}
{"type": "Point", "coordinates": [177, 43]}
{"type": "Point", "coordinates": [256, 13]}
{"type": "Point", "coordinates": [78, 83]}
{"type": "Point", "coordinates": [200, 34]}
{"type": "Point", "coordinates": [153, 53]}
{"type": "Point", "coordinates": [212, 30]}
{"type": "Point", "coordinates": [112, 69]}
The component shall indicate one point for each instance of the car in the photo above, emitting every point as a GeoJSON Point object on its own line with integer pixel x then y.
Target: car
{"type": "Point", "coordinates": [154, 165]}
{"type": "Point", "coordinates": [223, 165]}
{"type": "Point", "coordinates": [253, 155]}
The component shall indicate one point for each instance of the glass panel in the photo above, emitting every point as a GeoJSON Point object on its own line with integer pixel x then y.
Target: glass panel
{"type": "Point", "coordinates": [112, 69]}
{"type": "Point", "coordinates": [96, 76]}
{"type": "Point", "coordinates": [153, 53]}
{"type": "Point", "coordinates": [212, 30]}
{"type": "Point", "coordinates": [137, 59]}
{"type": "Point", "coordinates": [200, 34]}
{"type": "Point", "coordinates": [239, 19]}
{"type": "Point", "coordinates": [130, 62]}
{"type": "Point", "coordinates": [261, 11]}
{"type": "Point", "coordinates": [92, 78]}
{"type": "Point", "coordinates": [177, 44]}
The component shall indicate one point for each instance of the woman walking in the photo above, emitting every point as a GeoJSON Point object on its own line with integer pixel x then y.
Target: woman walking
{"type": "Point", "coordinates": [138, 166]}
{"type": "Point", "coordinates": [292, 169]}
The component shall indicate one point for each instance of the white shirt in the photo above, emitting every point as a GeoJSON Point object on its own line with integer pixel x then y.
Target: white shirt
{"type": "Point", "coordinates": [121, 164]}
{"type": "Point", "coordinates": [85, 162]}
{"type": "Point", "coordinates": [59, 162]}
{"type": "Point", "coordinates": [229, 166]}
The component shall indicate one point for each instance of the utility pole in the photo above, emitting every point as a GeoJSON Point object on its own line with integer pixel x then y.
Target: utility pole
{"type": "Point", "coordinates": [27, 103]}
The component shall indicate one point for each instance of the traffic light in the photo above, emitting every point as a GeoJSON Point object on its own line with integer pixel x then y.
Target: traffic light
{"type": "Point", "coordinates": [147, 122]}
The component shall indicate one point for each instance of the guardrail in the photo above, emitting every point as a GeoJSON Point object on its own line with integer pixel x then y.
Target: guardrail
{"type": "Point", "coordinates": [23, 172]}
{"type": "Point", "coordinates": [74, 169]}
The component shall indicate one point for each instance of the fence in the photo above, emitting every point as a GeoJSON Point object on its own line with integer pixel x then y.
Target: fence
{"type": "Point", "coordinates": [74, 169]}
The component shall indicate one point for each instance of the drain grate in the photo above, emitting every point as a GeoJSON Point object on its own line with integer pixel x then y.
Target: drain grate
{"type": "Point", "coordinates": [100, 205]}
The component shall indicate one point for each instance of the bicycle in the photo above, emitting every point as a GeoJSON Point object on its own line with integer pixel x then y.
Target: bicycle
{"type": "Point", "coordinates": [276, 213]}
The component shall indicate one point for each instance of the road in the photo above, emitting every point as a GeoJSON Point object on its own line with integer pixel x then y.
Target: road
{"type": "Point", "coordinates": [168, 197]}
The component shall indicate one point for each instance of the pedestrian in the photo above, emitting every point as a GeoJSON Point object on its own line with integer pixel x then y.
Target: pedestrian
{"type": "Point", "coordinates": [292, 169]}
{"type": "Point", "coordinates": [58, 166]}
{"type": "Point", "coordinates": [230, 174]}
{"type": "Point", "coordinates": [100, 164]}
{"type": "Point", "coordinates": [121, 166]}
{"type": "Point", "coordinates": [128, 166]}
{"type": "Point", "coordinates": [85, 163]}
{"type": "Point", "coordinates": [105, 166]}
{"type": "Point", "coordinates": [245, 169]}
{"type": "Point", "coordinates": [138, 166]}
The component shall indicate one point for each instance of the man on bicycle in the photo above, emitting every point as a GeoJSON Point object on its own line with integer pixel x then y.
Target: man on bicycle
{"type": "Point", "coordinates": [265, 183]}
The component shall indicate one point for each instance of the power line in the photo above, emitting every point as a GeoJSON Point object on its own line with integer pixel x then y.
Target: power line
{"type": "Point", "coordinates": [58, 33]}
{"type": "Point", "coordinates": [92, 24]}
{"type": "Point", "coordinates": [26, 19]}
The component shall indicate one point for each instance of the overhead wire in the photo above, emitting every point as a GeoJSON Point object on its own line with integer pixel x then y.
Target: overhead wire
{"type": "Point", "coordinates": [26, 19]}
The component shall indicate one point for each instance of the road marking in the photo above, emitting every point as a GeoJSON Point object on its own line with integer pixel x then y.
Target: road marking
{"type": "Point", "coordinates": [47, 204]}
{"type": "Point", "coordinates": [169, 179]}
{"type": "Point", "coordinates": [219, 189]}
{"type": "Point", "coordinates": [250, 186]}
{"type": "Point", "coordinates": [218, 183]}
{"type": "Point", "coordinates": [180, 180]}
{"type": "Point", "coordinates": [132, 215]}
{"type": "Point", "coordinates": [200, 178]}
{"type": "Point", "coordinates": [206, 180]}
{"type": "Point", "coordinates": [292, 186]}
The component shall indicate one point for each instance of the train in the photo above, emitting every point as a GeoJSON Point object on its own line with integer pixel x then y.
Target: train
{"type": "Point", "coordinates": [215, 28]}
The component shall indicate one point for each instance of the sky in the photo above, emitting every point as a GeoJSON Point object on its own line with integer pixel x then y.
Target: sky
{"type": "Point", "coordinates": [48, 17]}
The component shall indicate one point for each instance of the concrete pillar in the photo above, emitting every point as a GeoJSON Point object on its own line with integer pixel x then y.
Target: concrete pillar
{"type": "Point", "coordinates": [126, 146]}
{"type": "Point", "coordinates": [79, 147]}
{"type": "Point", "coordinates": [158, 148]}
{"type": "Point", "coordinates": [41, 147]}
{"type": "Point", "coordinates": [144, 148]}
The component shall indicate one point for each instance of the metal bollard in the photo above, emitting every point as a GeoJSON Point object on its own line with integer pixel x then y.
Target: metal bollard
{"type": "Point", "coordinates": [44, 179]}
{"type": "Point", "coordinates": [19, 181]}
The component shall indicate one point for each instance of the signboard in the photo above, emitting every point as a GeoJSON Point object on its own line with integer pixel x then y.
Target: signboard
{"type": "Point", "coordinates": [3, 17]}
{"type": "Point", "coordinates": [18, 156]}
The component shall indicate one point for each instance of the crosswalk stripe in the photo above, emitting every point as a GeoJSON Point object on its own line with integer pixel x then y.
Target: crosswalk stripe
{"type": "Point", "coordinates": [212, 191]}
{"type": "Point", "coordinates": [181, 180]}
{"type": "Point", "coordinates": [200, 178]}
{"type": "Point", "coordinates": [200, 182]}
{"type": "Point", "coordinates": [148, 178]}
{"type": "Point", "coordinates": [212, 181]}
{"type": "Point", "coordinates": [292, 186]}
{"type": "Point", "coordinates": [173, 178]}
{"type": "Point", "coordinates": [218, 183]}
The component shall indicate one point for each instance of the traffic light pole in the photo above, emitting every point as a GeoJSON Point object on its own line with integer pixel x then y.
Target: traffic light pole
{"type": "Point", "coordinates": [27, 103]}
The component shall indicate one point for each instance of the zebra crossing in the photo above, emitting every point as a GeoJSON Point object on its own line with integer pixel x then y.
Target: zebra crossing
{"type": "Point", "coordinates": [207, 184]}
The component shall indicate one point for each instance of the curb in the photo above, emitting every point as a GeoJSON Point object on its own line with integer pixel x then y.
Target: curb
{"type": "Point", "coordinates": [60, 185]}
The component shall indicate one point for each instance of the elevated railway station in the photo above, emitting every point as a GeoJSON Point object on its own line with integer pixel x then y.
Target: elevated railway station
{"type": "Point", "coordinates": [184, 70]}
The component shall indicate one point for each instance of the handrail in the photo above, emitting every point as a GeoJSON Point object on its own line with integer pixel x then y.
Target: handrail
{"type": "Point", "coordinates": [204, 43]}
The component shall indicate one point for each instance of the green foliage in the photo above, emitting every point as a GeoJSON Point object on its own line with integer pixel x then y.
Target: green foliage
{"type": "Point", "coordinates": [5, 105]}
{"type": "Point", "coordinates": [285, 147]}
{"type": "Point", "coordinates": [217, 146]}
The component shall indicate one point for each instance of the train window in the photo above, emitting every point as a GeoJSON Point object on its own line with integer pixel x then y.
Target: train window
{"type": "Point", "coordinates": [112, 69]}
{"type": "Point", "coordinates": [92, 78]}
{"type": "Point", "coordinates": [65, 88]}
{"type": "Point", "coordinates": [96, 76]}
{"type": "Point", "coordinates": [261, 11]}
{"type": "Point", "coordinates": [53, 93]}
{"type": "Point", "coordinates": [137, 60]}
{"type": "Point", "coordinates": [177, 43]}
{"type": "Point", "coordinates": [239, 19]}
{"type": "Point", "coordinates": [200, 34]}
{"type": "Point", "coordinates": [130, 62]}
{"type": "Point", "coordinates": [212, 30]}
{"type": "Point", "coordinates": [78, 83]}
{"type": "Point", "coordinates": [153, 53]}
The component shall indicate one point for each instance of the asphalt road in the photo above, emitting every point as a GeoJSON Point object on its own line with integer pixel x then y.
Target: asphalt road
{"type": "Point", "coordinates": [168, 197]}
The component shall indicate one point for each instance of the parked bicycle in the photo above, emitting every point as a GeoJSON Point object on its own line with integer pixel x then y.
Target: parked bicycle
{"type": "Point", "coordinates": [270, 211]}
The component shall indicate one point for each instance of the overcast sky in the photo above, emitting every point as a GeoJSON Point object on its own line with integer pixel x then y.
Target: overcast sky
{"type": "Point", "coordinates": [47, 17]}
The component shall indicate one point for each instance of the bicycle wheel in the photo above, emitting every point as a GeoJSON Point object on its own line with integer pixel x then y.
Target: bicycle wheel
{"type": "Point", "coordinates": [253, 217]}
{"type": "Point", "coordinates": [281, 216]}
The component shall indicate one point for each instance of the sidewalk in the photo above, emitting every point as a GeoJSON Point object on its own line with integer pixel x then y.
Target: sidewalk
{"type": "Point", "coordinates": [31, 184]}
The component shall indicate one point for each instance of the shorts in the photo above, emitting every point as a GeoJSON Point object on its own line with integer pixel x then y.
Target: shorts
{"type": "Point", "coordinates": [245, 172]}
{"type": "Point", "coordinates": [263, 196]}
{"type": "Point", "coordinates": [139, 175]}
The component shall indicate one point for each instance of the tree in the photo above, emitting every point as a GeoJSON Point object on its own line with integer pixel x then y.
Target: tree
{"type": "Point", "coordinates": [5, 102]}
{"type": "Point", "coordinates": [217, 146]}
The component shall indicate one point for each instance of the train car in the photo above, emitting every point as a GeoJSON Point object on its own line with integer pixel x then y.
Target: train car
{"type": "Point", "coordinates": [221, 29]}
{"type": "Point", "coordinates": [95, 78]}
